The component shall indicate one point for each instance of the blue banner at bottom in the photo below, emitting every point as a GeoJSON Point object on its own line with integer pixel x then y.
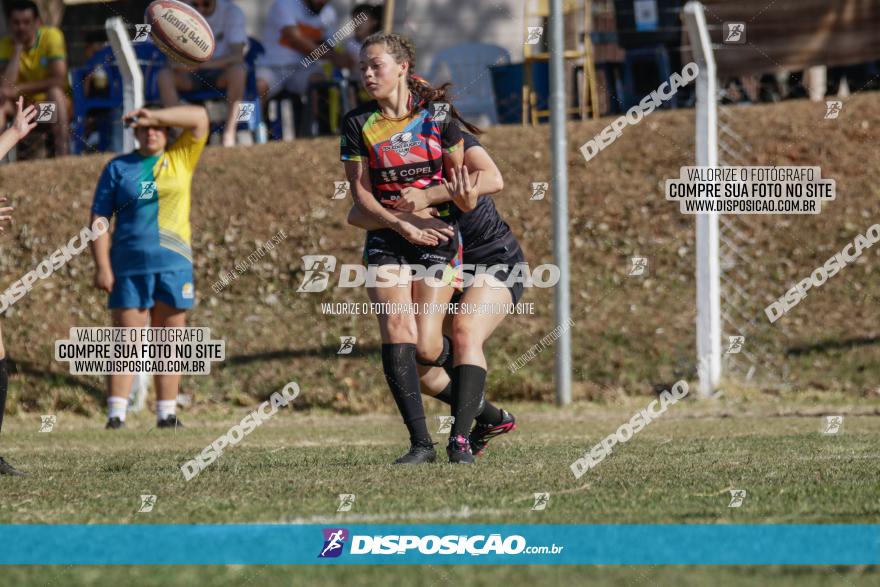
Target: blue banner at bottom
{"type": "Point", "coordinates": [263, 544]}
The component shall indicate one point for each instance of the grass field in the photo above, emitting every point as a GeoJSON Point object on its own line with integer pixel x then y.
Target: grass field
{"type": "Point", "coordinates": [291, 470]}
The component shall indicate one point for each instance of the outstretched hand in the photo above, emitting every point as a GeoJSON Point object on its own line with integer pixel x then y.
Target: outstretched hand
{"type": "Point", "coordinates": [24, 119]}
{"type": "Point", "coordinates": [5, 214]}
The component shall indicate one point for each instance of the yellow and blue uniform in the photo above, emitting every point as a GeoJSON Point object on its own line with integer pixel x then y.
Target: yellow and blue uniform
{"type": "Point", "coordinates": [151, 252]}
{"type": "Point", "coordinates": [33, 65]}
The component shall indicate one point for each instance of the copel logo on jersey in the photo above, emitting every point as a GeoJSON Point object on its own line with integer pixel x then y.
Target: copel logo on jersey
{"type": "Point", "coordinates": [401, 143]}
{"type": "Point", "coordinates": [334, 541]}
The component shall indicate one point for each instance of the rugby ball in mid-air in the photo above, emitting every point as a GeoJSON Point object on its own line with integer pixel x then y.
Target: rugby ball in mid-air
{"type": "Point", "coordinates": [180, 31]}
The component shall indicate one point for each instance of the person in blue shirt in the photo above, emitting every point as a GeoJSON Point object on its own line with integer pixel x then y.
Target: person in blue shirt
{"type": "Point", "coordinates": [146, 266]}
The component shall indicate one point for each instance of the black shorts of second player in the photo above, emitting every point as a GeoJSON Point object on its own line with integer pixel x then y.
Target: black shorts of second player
{"type": "Point", "coordinates": [506, 252]}
{"type": "Point", "coordinates": [387, 247]}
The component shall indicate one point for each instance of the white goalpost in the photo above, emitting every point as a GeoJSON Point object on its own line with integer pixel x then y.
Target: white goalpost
{"type": "Point", "coordinates": [132, 98]}
{"type": "Point", "coordinates": [708, 270]}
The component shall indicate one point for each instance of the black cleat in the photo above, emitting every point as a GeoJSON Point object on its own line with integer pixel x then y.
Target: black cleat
{"type": "Point", "coordinates": [459, 451]}
{"type": "Point", "coordinates": [7, 469]}
{"type": "Point", "coordinates": [418, 454]}
{"type": "Point", "coordinates": [481, 435]}
{"type": "Point", "coordinates": [114, 423]}
{"type": "Point", "coordinates": [170, 421]}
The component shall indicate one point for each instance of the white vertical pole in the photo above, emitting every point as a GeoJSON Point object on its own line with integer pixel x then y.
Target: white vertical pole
{"type": "Point", "coordinates": [132, 98]}
{"type": "Point", "coordinates": [558, 113]}
{"type": "Point", "coordinates": [708, 269]}
{"type": "Point", "coordinates": [132, 77]}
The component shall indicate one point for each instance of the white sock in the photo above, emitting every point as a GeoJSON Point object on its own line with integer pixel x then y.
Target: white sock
{"type": "Point", "coordinates": [165, 408]}
{"type": "Point", "coordinates": [116, 407]}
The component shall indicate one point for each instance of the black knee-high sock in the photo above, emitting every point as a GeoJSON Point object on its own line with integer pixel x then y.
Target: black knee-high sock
{"type": "Point", "coordinates": [4, 382]}
{"type": "Point", "coordinates": [447, 364]}
{"type": "Point", "coordinates": [399, 363]}
{"type": "Point", "coordinates": [489, 416]}
{"type": "Point", "coordinates": [467, 395]}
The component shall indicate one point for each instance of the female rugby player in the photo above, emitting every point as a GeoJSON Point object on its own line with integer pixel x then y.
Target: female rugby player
{"type": "Point", "coordinates": [21, 126]}
{"type": "Point", "coordinates": [488, 241]}
{"type": "Point", "coordinates": [148, 270]}
{"type": "Point", "coordinates": [395, 141]}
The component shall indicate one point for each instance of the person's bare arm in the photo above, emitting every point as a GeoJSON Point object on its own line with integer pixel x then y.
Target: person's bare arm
{"type": "Point", "coordinates": [101, 254]}
{"type": "Point", "coordinates": [21, 126]}
{"type": "Point", "coordinates": [478, 162]}
{"type": "Point", "coordinates": [193, 118]}
{"type": "Point", "coordinates": [56, 78]}
{"type": "Point", "coordinates": [361, 192]}
{"type": "Point", "coordinates": [294, 39]}
{"type": "Point", "coordinates": [234, 56]}
{"type": "Point", "coordinates": [10, 74]}
{"type": "Point", "coordinates": [425, 220]}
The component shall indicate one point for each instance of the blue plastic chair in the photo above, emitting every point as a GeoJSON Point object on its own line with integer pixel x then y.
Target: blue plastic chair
{"type": "Point", "coordinates": [109, 105]}
{"type": "Point", "coordinates": [254, 50]}
{"type": "Point", "coordinates": [467, 66]}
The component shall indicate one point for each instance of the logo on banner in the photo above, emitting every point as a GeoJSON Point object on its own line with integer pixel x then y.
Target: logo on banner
{"type": "Point", "coordinates": [334, 540]}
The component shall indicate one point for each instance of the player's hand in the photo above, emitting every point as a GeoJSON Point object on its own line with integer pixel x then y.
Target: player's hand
{"type": "Point", "coordinates": [141, 118]}
{"type": "Point", "coordinates": [434, 227]}
{"type": "Point", "coordinates": [416, 235]}
{"type": "Point", "coordinates": [104, 279]}
{"type": "Point", "coordinates": [411, 200]}
{"type": "Point", "coordinates": [5, 214]}
{"type": "Point", "coordinates": [24, 119]}
{"type": "Point", "coordinates": [463, 194]}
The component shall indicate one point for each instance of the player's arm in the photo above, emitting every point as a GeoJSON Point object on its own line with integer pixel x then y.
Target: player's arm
{"type": "Point", "coordinates": [5, 214]}
{"type": "Point", "coordinates": [101, 254]}
{"type": "Point", "coordinates": [103, 207]}
{"type": "Point", "coordinates": [481, 171]}
{"type": "Point", "coordinates": [192, 118]}
{"type": "Point", "coordinates": [424, 220]}
{"type": "Point", "coordinates": [21, 126]}
{"type": "Point", "coordinates": [361, 192]}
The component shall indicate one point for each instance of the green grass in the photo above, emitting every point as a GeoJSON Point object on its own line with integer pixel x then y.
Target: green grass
{"type": "Point", "coordinates": [440, 576]}
{"type": "Point", "coordinates": [678, 470]}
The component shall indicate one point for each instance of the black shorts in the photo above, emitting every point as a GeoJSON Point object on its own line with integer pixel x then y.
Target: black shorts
{"type": "Point", "coordinates": [387, 247]}
{"type": "Point", "coordinates": [505, 251]}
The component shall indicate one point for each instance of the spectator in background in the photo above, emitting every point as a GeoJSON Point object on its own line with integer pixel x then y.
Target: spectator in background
{"type": "Point", "coordinates": [225, 71]}
{"type": "Point", "coordinates": [33, 61]}
{"type": "Point", "coordinates": [295, 29]}
{"type": "Point", "coordinates": [369, 17]}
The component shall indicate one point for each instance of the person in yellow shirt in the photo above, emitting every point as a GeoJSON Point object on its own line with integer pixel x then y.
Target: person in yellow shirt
{"type": "Point", "coordinates": [33, 63]}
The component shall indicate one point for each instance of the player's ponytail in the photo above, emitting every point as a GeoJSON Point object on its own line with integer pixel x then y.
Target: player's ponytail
{"type": "Point", "coordinates": [403, 49]}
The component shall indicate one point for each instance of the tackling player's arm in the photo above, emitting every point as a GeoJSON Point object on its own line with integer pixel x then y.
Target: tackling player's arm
{"type": "Point", "coordinates": [482, 174]}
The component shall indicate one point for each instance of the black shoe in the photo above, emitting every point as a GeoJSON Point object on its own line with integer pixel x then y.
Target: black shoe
{"type": "Point", "coordinates": [459, 451]}
{"type": "Point", "coordinates": [170, 421]}
{"type": "Point", "coordinates": [114, 423]}
{"type": "Point", "coordinates": [418, 454]}
{"type": "Point", "coordinates": [7, 469]}
{"type": "Point", "coordinates": [482, 434]}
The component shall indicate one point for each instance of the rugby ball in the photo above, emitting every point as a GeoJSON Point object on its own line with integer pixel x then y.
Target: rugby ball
{"type": "Point", "coordinates": [180, 31]}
